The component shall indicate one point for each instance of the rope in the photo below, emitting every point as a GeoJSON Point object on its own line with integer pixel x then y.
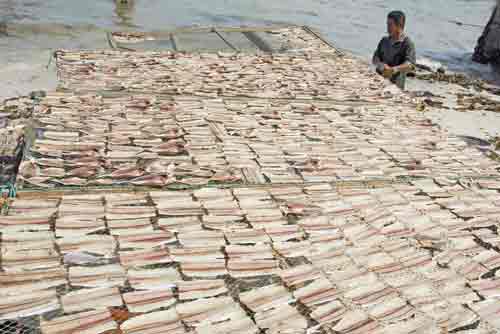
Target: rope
{"type": "Point", "coordinates": [52, 55]}
{"type": "Point", "coordinates": [458, 23]}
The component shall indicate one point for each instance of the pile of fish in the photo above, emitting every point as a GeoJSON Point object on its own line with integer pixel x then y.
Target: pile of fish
{"type": "Point", "coordinates": [285, 75]}
{"type": "Point", "coordinates": [419, 258]}
{"type": "Point", "coordinates": [153, 140]}
{"type": "Point", "coordinates": [11, 149]}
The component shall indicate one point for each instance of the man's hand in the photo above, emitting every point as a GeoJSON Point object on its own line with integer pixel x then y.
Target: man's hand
{"type": "Point", "coordinates": [388, 71]}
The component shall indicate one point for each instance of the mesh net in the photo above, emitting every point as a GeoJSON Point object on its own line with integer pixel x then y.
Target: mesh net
{"type": "Point", "coordinates": [29, 325]}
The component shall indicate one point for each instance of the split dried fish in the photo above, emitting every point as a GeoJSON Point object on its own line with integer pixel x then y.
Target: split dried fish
{"type": "Point", "coordinates": [13, 281]}
{"type": "Point", "coordinates": [101, 276]}
{"type": "Point", "coordinates": [205, 269]}
{"type": "Point", "coordinates": [146, 240]}
{"type": "Point", "coordinates": [195, 254]}
{"type": "Point", "coordinates": [202, 239]}
{"type": "Point", "coordinates": [265, 298]}
{"type": "Point", "coordinates": [200, 289]}
{"type": "Point", "coordinates": [162, 321]}
{"type": "Point", "coordinates": [100, 244]}
{"type": "Point", "coordinates": [29, 259]}
{"type": "Point", "coordinates": [130, 227]}
{"type": "Point", "coordinates": [144, 257]}
{"type": "Point", "coordinates": [318, 292]}
{"type": "Point", "coordinates": [209, 310]}
{"type": "Point", "coordinates": [91, 299]}
{"type": "Point", "coordinates": [85, 323]}
{"type": "Point", "coordinates": [329, 313]}
{"type": "Point", "coordinates": [257, 252]}
{"type": "Point", "coordinates": [28, 304]}
{"type": "Point", "coordinates": [281, 319]}
{"type": "Point", "coordinates": [252, 268]}
{"type": "Point", "coordinates": [300, 274]}
{"type": "Point", "coordinates": [146, 301]}
{"type": "Point", "coordinates": [153, 279]}
{"type": "Point", "coordinates": [73, 226]}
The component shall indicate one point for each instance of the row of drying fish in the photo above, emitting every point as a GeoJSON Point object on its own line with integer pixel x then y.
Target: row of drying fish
{"type": "Point", "coordinates": [222, 209]}
{"type": "Point", "coordinates": [147, 140]}
{"type": "Point", "coordinates": [349, 300]}
{"type": "Point", "coordinates": [411, 258]}
{"type": "Point", "coordinates": [300, 76]}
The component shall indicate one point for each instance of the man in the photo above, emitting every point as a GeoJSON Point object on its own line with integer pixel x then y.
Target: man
{"type": "Point", "coordinates": [395, 54]}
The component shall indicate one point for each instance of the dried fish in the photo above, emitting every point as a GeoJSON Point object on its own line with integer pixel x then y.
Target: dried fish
{"type": "Point", "coordinates": [146, 240]}
{"type": "Point", "coordinates": [201, 289]}
{"type": "Point", "coordinates": [281, 319]}
{"type": "Point", "coordinates": [100, 244]}
{"type": "Point", "coordinates": [73, 226]}
{"type": "Point", "coordinates": [100, 276]}
{"type": "Point", "coordinates": [207, 268]}
{"type": "Point", "coordinates": [85, 323]}
{"type": "Point", "coordinates": [248, 236]}
{"type": "Point", "coordinates": [318, 292]}
{"type": "Point", "coordinates": [195, 254]}
{"type": "Point", "coordinates": [144, 257]}
{"type": "Point", "coordinates": [153, 279]}
{"type": "Point", "coordinates": [29, 259]}
{"type": "Point", "coordinates": [209, 310]}
{"type": "Point", "coordinates": [130, 227]}
{"type": "Point", "coordinates": [202, 239]}
{"type": "Point", "coordinates": [180, 224]}
{"type": "Point", "coordinates": [91, 299]}
{"type": "Point", "coordinates": [161, 321]}
{"type": "Point", "coordinates": [329, 313]}
{"type": "Point", "coordinates": [116, 212]}
{"type": "Point", "coordinates": [300, 274]}
{"type": "Point", "coordinates": [26, 222]}
{"type": "Point", "coordinates": [28, 304]}
{"type": "Point", "coordinates": [13, 281]}
{"type": "Point", "coordinates": [146, 301]}
{"type": "Point", "coordinates": [252, 268]}
{"type": "Point", "coordinates": [265, 298]}
{"type": "Point", "coordinates": [257, 252]}
{"type": "Point", "coordinates": [355, 321]}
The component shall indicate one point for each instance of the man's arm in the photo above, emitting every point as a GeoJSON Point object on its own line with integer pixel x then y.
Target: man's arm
{"type": "Point", "coordinates": [410, 59]}
{"type": "Point", "coordinates": [377, 58]}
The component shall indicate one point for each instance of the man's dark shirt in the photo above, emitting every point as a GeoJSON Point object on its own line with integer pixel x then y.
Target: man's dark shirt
{"type": "Point", "coordinates": [395, 53]}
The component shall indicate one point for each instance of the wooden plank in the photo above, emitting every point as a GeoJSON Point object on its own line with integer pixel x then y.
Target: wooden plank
{"type": "Point", "coordinates": [321, 38]}
{"type": "Point", "coordinates": [226, 41]}
{"type": "Point", "coordinates": [258, 41]}
{"type": "Point", "coordinates": [173, 40]}
{"type": "Point", "coordinates": [239, 41]}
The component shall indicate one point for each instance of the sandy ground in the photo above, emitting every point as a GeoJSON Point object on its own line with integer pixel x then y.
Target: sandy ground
{"type": "Point", "coordinates": [480, 123]}
{"type": "Point", "coordinates": [19, 78]}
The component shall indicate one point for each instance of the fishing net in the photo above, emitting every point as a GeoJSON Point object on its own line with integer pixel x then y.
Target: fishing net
{"type": "Point", "coordinates": [30, 325]}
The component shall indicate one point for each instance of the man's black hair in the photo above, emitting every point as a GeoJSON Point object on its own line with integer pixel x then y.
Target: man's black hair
{"type": "Point", "coordinates": [398, 17]}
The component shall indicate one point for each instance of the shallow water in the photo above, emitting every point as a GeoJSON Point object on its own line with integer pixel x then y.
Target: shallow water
{"type": "Point", "coordinates": [35, 27]}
